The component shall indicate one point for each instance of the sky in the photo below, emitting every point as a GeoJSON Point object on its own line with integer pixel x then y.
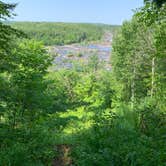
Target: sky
{"type": "Point", "coordinates": [88, 11]}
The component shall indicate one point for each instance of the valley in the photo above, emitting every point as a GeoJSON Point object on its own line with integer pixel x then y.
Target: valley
{"type": "Point", "coordinates": [73, 55]}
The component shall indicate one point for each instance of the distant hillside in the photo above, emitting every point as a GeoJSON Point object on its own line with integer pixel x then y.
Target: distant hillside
{"type": "Point", "coordinates": [63, 33]}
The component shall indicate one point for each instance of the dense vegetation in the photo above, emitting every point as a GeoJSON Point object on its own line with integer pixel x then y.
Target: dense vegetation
{"type": "Point", "coordinates": [91, 117]}
{"type": "Point", "coordinates": [62, 33]}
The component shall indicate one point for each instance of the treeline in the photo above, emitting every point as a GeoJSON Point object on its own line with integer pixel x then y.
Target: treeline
{"type": "Point", "coordinates": [62, 33]}
{"type": "Point", "coordinates": [139, 56]}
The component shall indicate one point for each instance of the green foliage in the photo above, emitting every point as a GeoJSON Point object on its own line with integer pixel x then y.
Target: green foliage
{"type": "Point", "coordinates": [25, 88]}
{"type": "Point", "coordinates": [105, 118]}
{"type": "Point", "coordinates": [26, 146]}
{"type": "Point", "coordinates": [62, 33]}
{"type": "Point", "coordinates": [7, 34]}
{"type": "Point", "coordinates": [95, 91]}
{"type": "Point", "coordinates": [152, 12]}
{"type": "Point", "coordinates": [116, 140]}
{"type": "Point", "coordinates": [6, 10]}
{"type": "Point", "coordinates": [79, 55]}
{"type": "Point", "coordinates": [156, 2]}
{"type": "Point", "coordinates": [138, 61]}
{"type": "Point", "coordinates": [22, 86]}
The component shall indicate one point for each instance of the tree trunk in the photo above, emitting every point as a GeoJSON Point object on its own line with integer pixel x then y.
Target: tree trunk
{"type": "Point", "coordinates": [153, 76]}
{"type": "Point", "coordinates": [133, 88]}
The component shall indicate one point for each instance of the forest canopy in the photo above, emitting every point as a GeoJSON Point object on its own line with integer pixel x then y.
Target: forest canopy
{"type": "Point", "coordinates": [63, 33]}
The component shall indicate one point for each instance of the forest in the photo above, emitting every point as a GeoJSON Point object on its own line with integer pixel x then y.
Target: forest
{"type": "Point", "coordinates": [62, 33]}
{"type": "Point", "coordinates": [91, 117]}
